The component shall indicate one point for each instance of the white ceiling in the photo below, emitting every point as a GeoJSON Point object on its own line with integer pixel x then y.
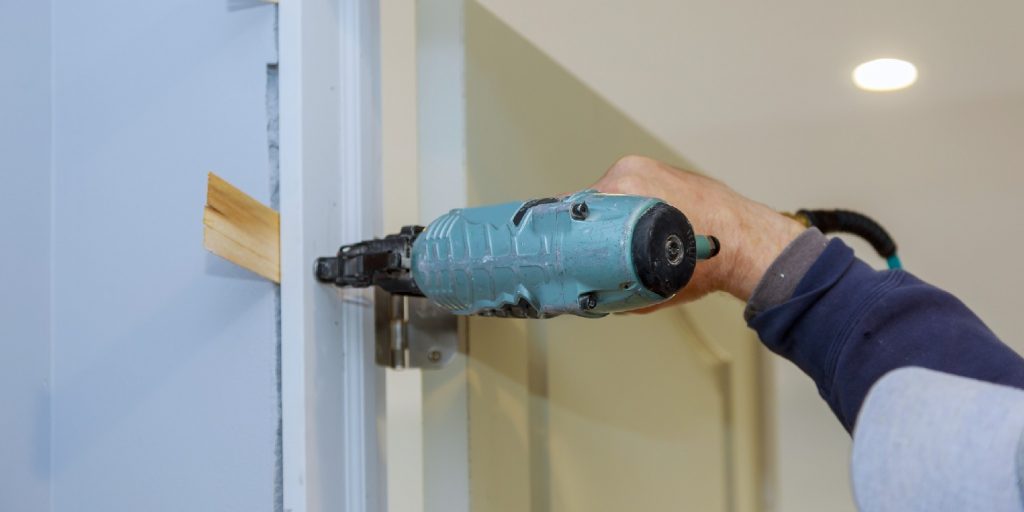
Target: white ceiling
{"type": "Point", "coordinates": [680, 64]}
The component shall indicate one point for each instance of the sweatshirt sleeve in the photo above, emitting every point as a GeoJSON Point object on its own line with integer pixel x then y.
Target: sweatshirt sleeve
{"type": "Point", "coordinates": [846, 325]}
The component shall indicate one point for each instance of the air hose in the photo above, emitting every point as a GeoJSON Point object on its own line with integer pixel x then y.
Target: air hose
{"type": "Point", "coordinates": [845, 221]}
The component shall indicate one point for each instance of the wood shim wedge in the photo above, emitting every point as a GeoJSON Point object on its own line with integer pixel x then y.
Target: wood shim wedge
{"type": "Point", "coordinates": [241, 230]}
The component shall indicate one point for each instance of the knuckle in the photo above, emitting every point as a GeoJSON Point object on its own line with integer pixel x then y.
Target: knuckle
{"type": "Point", "coordinates": [632, 164]}
{"type": "Point", "coordinates": [625, 174]}
{"type": "Point", "coordinates": [630, 174]}
{"type": "Point", "coordinates": [623, 184]}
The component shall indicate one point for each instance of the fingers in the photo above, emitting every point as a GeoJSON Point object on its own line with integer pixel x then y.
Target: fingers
{"type": "Point", "coordinates": [707, 204]}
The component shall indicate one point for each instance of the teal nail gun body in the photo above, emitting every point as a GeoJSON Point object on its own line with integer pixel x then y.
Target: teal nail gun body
{"type": "Point", "coordinates": [588, 254]}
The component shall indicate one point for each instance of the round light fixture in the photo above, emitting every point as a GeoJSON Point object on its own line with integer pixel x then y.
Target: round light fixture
{"type": "Point", "coordinates": [885, 75]}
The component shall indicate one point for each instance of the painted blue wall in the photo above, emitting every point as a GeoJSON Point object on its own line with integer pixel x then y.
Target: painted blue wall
{"type": "Point", "coordinates": [164, 357]}
{"type": "Point", "coordinates": [25, 256]}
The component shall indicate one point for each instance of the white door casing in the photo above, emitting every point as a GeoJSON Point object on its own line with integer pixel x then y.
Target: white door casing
{"type": "Point", "coordinates": [332, 391]}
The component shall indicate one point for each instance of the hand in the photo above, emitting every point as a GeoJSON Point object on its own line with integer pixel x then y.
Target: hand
{"type": "Point", "coordinates": [752, 235]}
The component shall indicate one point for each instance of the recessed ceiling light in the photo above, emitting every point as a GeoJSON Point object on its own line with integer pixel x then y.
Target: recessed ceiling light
{"type": "Point", "coordinates": [885, 75]}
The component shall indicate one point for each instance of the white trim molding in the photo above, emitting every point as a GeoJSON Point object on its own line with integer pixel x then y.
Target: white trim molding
{"type": "Point", "coordinates": [332, 391]}
{"type": "Point", "coordinates": [441, 116]}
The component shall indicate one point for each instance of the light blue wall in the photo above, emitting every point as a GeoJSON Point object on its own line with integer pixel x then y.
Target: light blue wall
{"type": "Point", "coordinates": [24, 255]}
{"type": "Point", "coordinates": [164, 357]}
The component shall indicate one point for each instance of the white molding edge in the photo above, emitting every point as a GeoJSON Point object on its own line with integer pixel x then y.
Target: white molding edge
{"type": "Point", "coordinates": [332, 391]}
{"type": "Point", "coordinates": [441, 118]}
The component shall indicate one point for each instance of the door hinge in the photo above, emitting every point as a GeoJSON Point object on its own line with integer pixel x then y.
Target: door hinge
{"type": "Point", "coordinates": [412, 332]}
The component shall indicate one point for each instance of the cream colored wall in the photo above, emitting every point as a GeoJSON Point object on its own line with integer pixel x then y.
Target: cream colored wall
{"type": "Point", "coordinates": [625, 413]}
{"type": "Point", "coordinates": [758, 94]}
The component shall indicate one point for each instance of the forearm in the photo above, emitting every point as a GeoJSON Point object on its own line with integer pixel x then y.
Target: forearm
{"type": "Point", "coordinates": [846, 325]}
{"type": "Point", "coordinates": [843, 323]}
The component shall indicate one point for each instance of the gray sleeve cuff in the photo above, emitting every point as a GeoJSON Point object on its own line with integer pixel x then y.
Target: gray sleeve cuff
{"type": "Point", "coordinates": [780, 280]}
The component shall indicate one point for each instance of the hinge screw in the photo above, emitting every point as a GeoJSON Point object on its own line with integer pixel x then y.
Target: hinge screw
{"type": "Point", "coordinates": [580, 211]}
{"type": "Point", "coordinates": [588, 301]}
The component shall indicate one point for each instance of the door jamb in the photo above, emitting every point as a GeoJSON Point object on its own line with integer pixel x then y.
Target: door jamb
{"type": "Point", "coordinates": [441, 118]}
{"type": "Point", "coordinates": [331, 389]}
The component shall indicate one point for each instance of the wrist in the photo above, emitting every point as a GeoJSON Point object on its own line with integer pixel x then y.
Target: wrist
{"type": "Point", "coordinates": [757, 236]}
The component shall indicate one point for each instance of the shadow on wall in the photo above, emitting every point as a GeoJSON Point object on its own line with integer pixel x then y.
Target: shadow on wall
{"type": "Point", "coordinates": [535, 130]}
{"type": "Point", "coordinates": [507, 72]}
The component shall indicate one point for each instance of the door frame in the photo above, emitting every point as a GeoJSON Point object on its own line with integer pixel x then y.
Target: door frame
{"type": "Point", "coordinates": [441, 125]}
{"type": "Point", "coordinates": [331, 389]}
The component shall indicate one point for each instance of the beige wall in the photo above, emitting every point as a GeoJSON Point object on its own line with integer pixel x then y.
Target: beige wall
{"type": "Point", "coordinates": [628, 412]}
{"type": "Point", "coordinates": [758, 94]}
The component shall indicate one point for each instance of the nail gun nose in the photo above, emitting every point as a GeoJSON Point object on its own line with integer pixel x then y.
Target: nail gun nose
{"type": "Point", "coordinates": [326, 269]}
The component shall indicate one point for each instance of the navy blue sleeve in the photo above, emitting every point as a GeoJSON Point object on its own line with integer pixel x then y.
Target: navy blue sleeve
{"type": "Point", "coordinates": [846, 325]}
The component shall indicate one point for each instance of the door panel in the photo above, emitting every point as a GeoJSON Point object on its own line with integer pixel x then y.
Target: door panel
{"type": "Point", "coordinates": [577, 414]}
{"type": "Point", "coordinates": [638, 412]}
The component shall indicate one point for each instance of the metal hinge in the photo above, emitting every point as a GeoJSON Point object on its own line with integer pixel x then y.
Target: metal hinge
{"type": "Point", "coordinates": [412, 332]}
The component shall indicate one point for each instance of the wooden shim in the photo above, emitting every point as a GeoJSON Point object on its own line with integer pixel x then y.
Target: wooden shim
{"type": "Point", "coordinates": [241, 230]}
